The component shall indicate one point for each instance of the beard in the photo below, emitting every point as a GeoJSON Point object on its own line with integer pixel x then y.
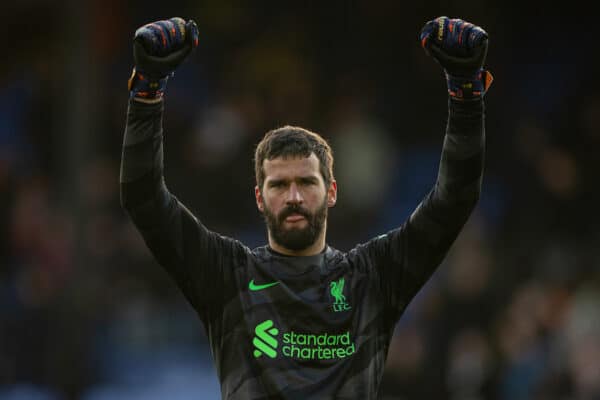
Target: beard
{"type": "Point", "coordinates": [296, 239]}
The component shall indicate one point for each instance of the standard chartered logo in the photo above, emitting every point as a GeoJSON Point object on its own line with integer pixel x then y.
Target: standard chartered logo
{"type": "Point", "coordinates": [304, 346]}
{"type": "Point", "coordinates": [264, 342]}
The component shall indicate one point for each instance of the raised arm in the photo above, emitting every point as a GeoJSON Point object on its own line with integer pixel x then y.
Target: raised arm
{"type": "Point", "coordinates": [194, 256]}
{"type": "Point", "coordinates": [406, 257]}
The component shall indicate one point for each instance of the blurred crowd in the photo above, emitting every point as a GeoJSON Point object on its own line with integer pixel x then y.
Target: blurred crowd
{"type": "Point", "coordinates": [512, 313]}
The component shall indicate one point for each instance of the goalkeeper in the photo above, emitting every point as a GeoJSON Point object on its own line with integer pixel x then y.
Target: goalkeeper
{"type": "Point", "coordinates": [296, 318]}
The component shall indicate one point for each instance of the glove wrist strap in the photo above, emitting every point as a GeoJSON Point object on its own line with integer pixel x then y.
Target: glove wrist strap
{"type": "Point", "coordinates": [143, 86]}
{"type": "Point", "coordinates": [462, 88]}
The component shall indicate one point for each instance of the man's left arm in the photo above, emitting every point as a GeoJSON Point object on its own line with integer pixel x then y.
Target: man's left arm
{"type": "Point", "coordinates": [406, 257]}
{"type": "Point", "coordinates": [437, 221]}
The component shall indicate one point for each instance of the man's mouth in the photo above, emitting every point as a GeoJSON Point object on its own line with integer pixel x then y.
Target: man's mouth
{"type": "Point", "coordinates": [295, 218]}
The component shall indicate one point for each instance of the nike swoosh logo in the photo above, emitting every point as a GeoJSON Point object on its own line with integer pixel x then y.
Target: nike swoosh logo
{"type": "Point", "coordinates": [254, 287]}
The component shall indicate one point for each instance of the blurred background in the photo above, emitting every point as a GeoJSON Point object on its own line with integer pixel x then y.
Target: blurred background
{"type": "Point", "coordinates": [513, 312]}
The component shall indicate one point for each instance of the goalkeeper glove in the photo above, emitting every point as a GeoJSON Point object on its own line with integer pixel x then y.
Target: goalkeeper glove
{"type": "Point", "coordinates": [158, 49]}
{"type": "Point", "coordinates": [460, 48]}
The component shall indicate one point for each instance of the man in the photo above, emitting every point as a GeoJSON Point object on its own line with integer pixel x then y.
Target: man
{"type": "Point", "coordinates": [297, 318]}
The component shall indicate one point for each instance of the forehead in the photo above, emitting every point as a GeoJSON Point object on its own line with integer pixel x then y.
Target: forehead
{"type": "Point", "coordinates": [291, 167]}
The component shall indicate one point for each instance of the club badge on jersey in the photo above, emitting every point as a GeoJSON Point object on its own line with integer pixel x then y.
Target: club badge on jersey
{"type": "Point", "coordinates": [337, 293]}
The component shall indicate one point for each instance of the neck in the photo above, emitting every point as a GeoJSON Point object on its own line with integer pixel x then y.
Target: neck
{"type": "Point", "coordinates": [311, 250]}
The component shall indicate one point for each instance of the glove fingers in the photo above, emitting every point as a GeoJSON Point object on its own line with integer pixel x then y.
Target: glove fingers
{"type": "Point", "coordinates": [434, 31]}
{"type": "Point", "coordinates": [457, 45]}
{"type": "Point", "coordinates": [191, 32]}
{"type": "Point", "coordinates": [454, 35]}
{"type": "Point", "coordinates": [461, 65]}
{"type": "Point", "coordinates": [159, 47]}
{"type": "Point", "coordinates": [175, 58]}
{"type": "Point", "coordinates": [435, 51]}
{"type": "Point", "coordinates": [476, 37]}
{"type": "Point", "coordinates": [161, 37]}
{"type": "Point", "coordinates": [149, 37]}
{"type": "Point", "coordinates": [425, 34]}
{"type": "Point", "coordinates": [470, 36]}
{"type": "Point", "coordinates": [169, 37]}
{"type": "Point", "coordinates": [157, 65]}
{"type": "Point", "coordinates": [177, 29]}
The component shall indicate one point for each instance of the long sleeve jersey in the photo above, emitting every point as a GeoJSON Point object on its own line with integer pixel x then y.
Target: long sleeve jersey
{"type": "Point", "coordinates": [314, 327]}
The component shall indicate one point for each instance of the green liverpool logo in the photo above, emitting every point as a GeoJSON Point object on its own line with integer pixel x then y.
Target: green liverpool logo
{"type": "Point", "coordinates": [337, 292]}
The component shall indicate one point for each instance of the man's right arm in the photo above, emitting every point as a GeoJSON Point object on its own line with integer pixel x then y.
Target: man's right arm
{"type": "Point", "coordinates": [200, 261]}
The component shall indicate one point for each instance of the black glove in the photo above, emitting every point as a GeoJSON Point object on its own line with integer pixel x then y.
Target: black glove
{"type": "Point", "coordinates": [158, 49]}
{"type": "Point", "coordinates": [460, 48]}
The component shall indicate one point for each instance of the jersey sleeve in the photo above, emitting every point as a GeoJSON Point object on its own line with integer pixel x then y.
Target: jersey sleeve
{"type": "Point", "coordinates": [402, 260]}
{"type": "Point", "coordinates": [200, 261]}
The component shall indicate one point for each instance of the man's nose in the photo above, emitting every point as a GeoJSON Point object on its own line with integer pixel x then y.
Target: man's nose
{"type": "Point", "coordinates": [294, 195]}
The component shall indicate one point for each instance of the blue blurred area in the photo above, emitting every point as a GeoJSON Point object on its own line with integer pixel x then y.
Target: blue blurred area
{"type": "Point", "coordinates": [87, 313]}
{"type": "Point", "coordinates": [170, 374]}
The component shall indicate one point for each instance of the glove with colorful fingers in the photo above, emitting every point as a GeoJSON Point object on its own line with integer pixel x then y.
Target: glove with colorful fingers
{"type": "Point", "coordinates": [460, 48]}
{"type": "Point", "coordinates": [158, 49]}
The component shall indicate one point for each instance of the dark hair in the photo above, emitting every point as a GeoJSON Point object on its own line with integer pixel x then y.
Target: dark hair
{"type": "Point", "coordinates": [293, 141]}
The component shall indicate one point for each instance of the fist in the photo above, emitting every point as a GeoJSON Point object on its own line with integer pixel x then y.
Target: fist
{"type": "Point", "coordinates": [159, 47]}
{"type": "Point", "coordinates": [457, 45]}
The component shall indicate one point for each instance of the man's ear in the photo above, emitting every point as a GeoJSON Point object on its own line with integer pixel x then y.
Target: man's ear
{"type": "Point", "coordinates": [259, 199]}
{"type": "Point", "coordinates": [332, 194]}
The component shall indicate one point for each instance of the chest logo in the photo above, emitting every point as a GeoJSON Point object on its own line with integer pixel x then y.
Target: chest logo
{"type": "Point", "coordinates": [254, 287]}
{"type": "Point", "coordinates": [337, 292]}
{"type": "Point", "coordinates": [271, 343]}
{"type": "Point", "coordinates": [264, 342]}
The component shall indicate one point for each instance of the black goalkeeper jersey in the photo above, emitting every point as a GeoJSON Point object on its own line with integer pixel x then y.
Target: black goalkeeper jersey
{"type": "Point", "coordinates": [315, 327]}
